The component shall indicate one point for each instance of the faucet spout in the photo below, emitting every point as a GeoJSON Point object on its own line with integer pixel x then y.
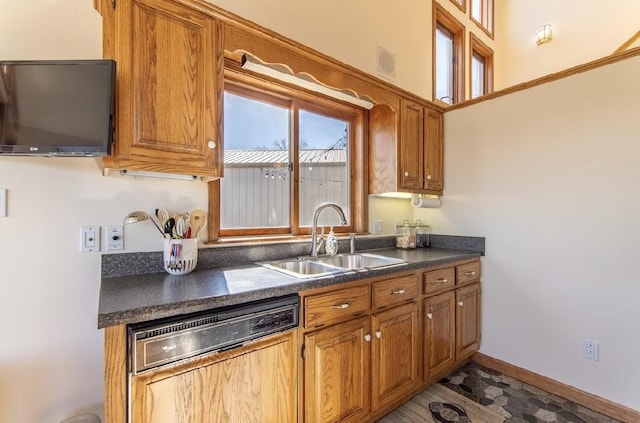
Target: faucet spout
{"type": "Point", "coordinates": [314, 227]}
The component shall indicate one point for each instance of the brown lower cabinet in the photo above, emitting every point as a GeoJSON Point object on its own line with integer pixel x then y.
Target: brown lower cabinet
{"type": "Point", "coordinates": [371, 361]}
{"type": "Point", "coordinates": [452, 329]}
{"type": "Point", "coordinates": [255, 384]}
{"type": "Point", "coordinates": [394, 367]}
{"type": "Point", "coordinates": [337, 374]}
{"type": "Point", "coordinates": [360, 366]}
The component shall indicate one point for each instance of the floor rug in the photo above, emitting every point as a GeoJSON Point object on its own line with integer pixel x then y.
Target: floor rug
{"type": "Point", "coordinates": [439, 404]}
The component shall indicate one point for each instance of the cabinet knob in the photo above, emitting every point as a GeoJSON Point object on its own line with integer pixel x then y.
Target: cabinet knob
{"type": "Point", "coordinates": [470, 273]}
{"type": "Point", "coordinates": [461, 303]}
{"type": "Point", "coordinates": [378, 334]}
{"type": "Point", "coordinates": [340, 306]}
{"type": "Point", "coordinates": [406, 174]}
{"type": "Point", "coordinates": [429, 177]}
{"type": "Point", "coordinates": [398, 291]}
{"type": "Point", "coordinates": [211, 144]}
{"type": "Point", "coordinates": [442, 280]}
{"type": "Point", "coordinates": [429, 316]}
{"type": "Point", "coordinates": [367, 337]}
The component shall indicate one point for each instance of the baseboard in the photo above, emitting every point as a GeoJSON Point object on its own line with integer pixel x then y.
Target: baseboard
{"type": "Point", "coordinates": [585, 399]}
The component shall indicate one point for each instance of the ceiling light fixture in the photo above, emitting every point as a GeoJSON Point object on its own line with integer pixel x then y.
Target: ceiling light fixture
{"type": "Point", "coordinates": [282, 73]}
{"type": "Point", "coordinates": [543, 34]}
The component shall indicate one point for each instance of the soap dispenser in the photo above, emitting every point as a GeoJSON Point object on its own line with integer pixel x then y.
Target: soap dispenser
{"type": "Point", "coordinates": [331, 245]}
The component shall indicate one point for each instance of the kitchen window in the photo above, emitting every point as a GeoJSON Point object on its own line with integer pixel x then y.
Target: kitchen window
{"type": "Point", "coordinates": [481, 60]}
{"type": "Point", "coordinates": [482, 15]}
{"type": "Point", "coordinates": [448, 60]}
{"type": "Point", "coordinates": [283, 156]}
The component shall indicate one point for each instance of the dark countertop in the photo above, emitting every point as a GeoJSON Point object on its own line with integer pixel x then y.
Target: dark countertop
{"type": "Point", "coordinates": [138, 298]}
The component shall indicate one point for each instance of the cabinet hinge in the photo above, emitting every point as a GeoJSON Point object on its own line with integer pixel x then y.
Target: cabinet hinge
{"type": "Point", "coordinates": [303, 352]}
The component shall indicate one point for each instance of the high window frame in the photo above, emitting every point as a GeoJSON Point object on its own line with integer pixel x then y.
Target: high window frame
{"type": "Point", "coordinates": [460, 4]}
{"type": "Point", "coordinates": [479, 48]}
{"type": "Point", "coordinates": [263, 88]}
{"type": "Point", "coordinates": [487, 14]}
{"type": "Point", "coordinates": [442, 18]}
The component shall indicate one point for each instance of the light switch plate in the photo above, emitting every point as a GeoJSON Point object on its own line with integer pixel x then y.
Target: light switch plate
{"type": "Point", "coordinates": [115, 237]}
{"type": "Point", "coordinates": [89, 239]}
{"type": "Point", "coordinates": [3, 202]}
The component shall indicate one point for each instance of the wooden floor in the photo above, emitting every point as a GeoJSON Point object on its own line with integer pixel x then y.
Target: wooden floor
{"type": "Point", "coordinates": [416, 410]}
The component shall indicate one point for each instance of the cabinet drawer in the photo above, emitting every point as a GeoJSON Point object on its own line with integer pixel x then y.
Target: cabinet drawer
{"type": "Point", "coordinates": [394, 291]}
{"type": "Point", "coordinates": [336, 306]}
{"type": "Point", "coordinates": [468, 273]}
{"type": "Point", "coordinates": [439, 280]}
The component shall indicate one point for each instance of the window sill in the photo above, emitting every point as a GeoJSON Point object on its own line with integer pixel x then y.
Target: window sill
{"type": "Point", "coordinates": [272, 239]}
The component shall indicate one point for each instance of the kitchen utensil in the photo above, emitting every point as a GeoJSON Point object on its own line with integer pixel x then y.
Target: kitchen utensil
{"type": "Point", "coordinates": [182, 226]}
{"type": "Point", "coordinates": [169, 227]}
{"type": "Point", "coordinates": [163, 215]}
{"type": "Point", "coordinates": [140, 216]}
{"type": "Point", "coordinates": [197, 222]}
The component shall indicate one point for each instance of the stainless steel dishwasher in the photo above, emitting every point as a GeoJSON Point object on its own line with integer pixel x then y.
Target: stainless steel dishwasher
{"type": "Point", "coordinates": [167, 341]}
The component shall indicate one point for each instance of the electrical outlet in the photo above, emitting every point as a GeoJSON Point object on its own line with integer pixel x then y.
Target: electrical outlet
{"type": "Point", "coordinates": [115, 237]}
{"type": "Point", "coordinates": [591, 350]}
{"type": "Point", "coordinates": [377, 226]}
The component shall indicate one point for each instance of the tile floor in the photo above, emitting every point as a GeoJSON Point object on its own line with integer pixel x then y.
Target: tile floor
{"type": "Point", "coordinates": [517, 401]}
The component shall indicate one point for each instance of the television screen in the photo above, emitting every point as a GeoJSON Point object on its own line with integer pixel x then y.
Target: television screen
{"type": "Point", "coordinates": [57, 108]}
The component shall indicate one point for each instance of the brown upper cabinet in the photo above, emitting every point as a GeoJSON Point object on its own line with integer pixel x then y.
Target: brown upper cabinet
{"type": "Point", "coordinates": [169, 87]}
{"type": "Point", "coordinates": [406, 149]}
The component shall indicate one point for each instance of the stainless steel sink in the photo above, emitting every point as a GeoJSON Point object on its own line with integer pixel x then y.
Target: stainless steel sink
{"type": "Point", "coordinates": [303, 268]}
{"type": "Point", "coordinates": [360, 261]}
{"type": "Point", "coordinates": [330, 265]}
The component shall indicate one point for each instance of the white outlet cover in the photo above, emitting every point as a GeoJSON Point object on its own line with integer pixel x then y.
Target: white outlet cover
{"type": "Point", "coordinates": [377, 226]}
{"type": "Point", "coordinates": [115, 237]}
{"type": "Point", "coordinates": [89, 239]}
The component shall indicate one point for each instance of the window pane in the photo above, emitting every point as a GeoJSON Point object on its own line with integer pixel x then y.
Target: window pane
{"type": "Point", "coordinates": [444, 65]}
{"type": "Point", "coordinates": [477, 75]}
{"type": "Point", "coordinates": [323, 155]}
{"type": "Point", "coordinates": [476, 10]}
{"type": "Point", "coordinates": [255, 191]}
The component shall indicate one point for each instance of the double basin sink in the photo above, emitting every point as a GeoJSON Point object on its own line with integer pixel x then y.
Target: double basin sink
{"type": "Point", "coordinates": [310, 267]}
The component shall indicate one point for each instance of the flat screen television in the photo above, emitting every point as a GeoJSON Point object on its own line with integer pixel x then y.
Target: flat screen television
{"type": "Point", "coordinates": [56, 108]}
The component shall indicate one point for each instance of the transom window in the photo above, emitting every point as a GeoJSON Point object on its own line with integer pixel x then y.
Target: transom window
{"type": "Point", "coordinates": [482, 15]}
{"type": "Point", "coordinates": [462, 4]}
{"type": "Point", "coordinates": [283, 156]}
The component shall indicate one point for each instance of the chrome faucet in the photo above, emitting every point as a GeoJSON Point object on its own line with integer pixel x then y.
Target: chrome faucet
{"type": "Point", "coordinates": [314, 227]}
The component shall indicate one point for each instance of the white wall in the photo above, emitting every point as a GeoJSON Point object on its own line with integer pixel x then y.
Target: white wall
{"type": "Point", "coordinates": [51, 360]}
{"type": "Point", "coordinates": [583, 30]}
{"type": "Point", "coordinates": [550, 177]}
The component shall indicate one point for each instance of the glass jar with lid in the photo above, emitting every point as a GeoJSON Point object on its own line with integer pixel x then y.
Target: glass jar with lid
{"type": "Point", "coordinates": [422, 234]}
{"type": "Point", "coordinates": [405, 235]}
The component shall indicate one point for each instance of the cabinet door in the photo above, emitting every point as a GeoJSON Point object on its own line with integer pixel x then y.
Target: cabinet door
{"type": "Point", "coordinates": [336, 373]}
{"type": "Point", "coordinates": [254, 384]}
{"type": "Point", "coordinates": [395, 354]}
{"type": "Point", "coordinates": [467, 320]}
{"type": "Point", "coordinates": [169, 68]}
{"type": "Point", "coordinates": [433, 152]}
{"type": "Point", "coordinates": [411, 145]}
{"type": "Point", "coordinates": [439, 334]}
